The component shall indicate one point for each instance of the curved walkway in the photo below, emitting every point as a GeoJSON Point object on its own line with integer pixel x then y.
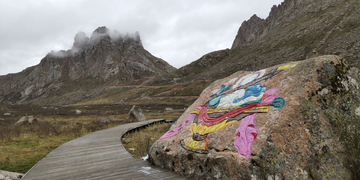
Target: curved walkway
{"type": "Point", "coordinates": [99, 155]}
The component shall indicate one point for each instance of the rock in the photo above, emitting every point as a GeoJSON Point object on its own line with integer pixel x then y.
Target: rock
{"type": "Point", "coordinates": [104, 121]}
{"type": "Point", "coordinates": [2, 177]}
{"type": "Point", "coordinates": [7, 114]}
{"type": "Point", "coordinates": [135, 115]}
{"type": "Point", "coordinates": [357, 111]}
{"type": "Point", "coordinates": [168, 109]}
{"type": "Point", "coordinates": [40, 121]}
{"type": "Point", "coordinates": [324, 91]}
{"type": "Point", "coordinates": [78, 111]}
{"type": "Point", "coordinates": [271, 123]}
{"type": "Point", "coordinates": [145, 157]}
{"type": "Point", "coordinates": [175, 80]}
{"type": "Point", "coordinates": [26, 120]}
{"type": "Point", "coordinates": [10, 175]}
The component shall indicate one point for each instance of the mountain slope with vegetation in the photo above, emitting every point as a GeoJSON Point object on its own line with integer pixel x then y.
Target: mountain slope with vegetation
{"type": "Point", "coordinates": [294, 30]}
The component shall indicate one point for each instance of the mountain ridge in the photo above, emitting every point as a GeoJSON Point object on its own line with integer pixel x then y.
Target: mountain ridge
{"type": "Point", "coordinates": [294, 30]}
{"type": "Point", "coordinates": [105, 56]}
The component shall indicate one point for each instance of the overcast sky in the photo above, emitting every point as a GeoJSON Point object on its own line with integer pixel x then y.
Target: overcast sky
{"type": "Point", "coordinates": [177, 31]}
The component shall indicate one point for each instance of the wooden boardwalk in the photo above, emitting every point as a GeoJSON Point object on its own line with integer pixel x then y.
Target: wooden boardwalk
{"type": "Point", "coordinates": [99, 155]}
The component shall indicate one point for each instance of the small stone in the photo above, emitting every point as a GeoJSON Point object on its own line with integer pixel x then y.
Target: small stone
{"type": "Point", "coordinates": [104, 121]}
{"type": "Point", "coordinates": [78, 111]}
{"type": "Point", "coordinates": [357, 111]}
{"type": "Point", "coordinates": [168, 109]}
{"type": "Point", "coordinates": [324, 91]}
{"type": "Point", "coordinates": [270, 143]}
{"type": "Point", "coordinates": [273, 178]}
{"type": "Point", "coordinates": [2, 177]}
{"type": "Point", "coordinates": [345, 84]}
{"type": "Point", "coordinates": [353, 82]}
{"type": "Point", "coordinates": [145, 157]}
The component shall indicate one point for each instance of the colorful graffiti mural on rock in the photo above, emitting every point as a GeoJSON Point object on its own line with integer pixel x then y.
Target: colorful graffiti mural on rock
{"type": "Point", "coordinates": [247, 98]}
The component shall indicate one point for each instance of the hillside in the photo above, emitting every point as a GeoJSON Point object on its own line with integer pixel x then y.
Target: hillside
{"type": "Point", "coordinates": [294, 30]}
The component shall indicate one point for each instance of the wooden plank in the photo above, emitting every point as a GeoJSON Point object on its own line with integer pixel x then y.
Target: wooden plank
{"type": "Point", "coordinates": [99, 155]}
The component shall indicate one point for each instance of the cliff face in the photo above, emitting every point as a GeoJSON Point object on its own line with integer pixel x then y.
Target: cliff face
{"type": "Point", "coordinates": [105, 56]}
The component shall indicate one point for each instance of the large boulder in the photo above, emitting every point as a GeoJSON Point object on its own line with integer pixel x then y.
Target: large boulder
{"type": "Point", "coordinates": [135, 115]}
{"type": "Point", "coordinates": [283, 122]}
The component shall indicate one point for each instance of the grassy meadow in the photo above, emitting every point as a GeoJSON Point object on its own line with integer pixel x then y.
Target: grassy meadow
{"type": "Point", "coordinates": [22, 146]}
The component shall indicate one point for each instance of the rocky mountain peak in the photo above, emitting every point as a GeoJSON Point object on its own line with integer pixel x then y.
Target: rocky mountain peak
{"type": "Point", "coordinates": [133, 39]}
{"type": "Point", "coordinates": [255, 28]}
{"type": "Point", "coordinates": [101, 30]}
{"type": "Point", "coordinates": [249, 31]}
{"type": "Point", "coordinates": [81, 41]}
{"type": "Point", "coordinates": [137, 39]}
{"type": "Point", "coordinates": [99, 34]}
{"type": "Point", "coordinates": [107, 56]}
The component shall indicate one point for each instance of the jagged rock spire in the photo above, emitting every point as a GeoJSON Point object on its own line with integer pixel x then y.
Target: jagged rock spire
{"type": "Point", "coordinates": [80, 41]}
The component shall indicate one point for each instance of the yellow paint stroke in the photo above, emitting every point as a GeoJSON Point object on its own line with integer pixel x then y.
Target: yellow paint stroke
{"type": "Point", "coordinates": [202, 129]}
{"type": "Point", "coordinates": [216, 110]}
{"type": "Point", "coordinates": [262, 109]}
{"type": "Point", "coordinates": [197, 145]}
{"type": "Point", "coordinates": [286, 67]}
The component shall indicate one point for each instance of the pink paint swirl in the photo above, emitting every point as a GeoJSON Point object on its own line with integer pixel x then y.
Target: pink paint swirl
{"type": "Point", "coordinates": [176, 130]}
{"type": "Point", "coordinates": [245, 135]}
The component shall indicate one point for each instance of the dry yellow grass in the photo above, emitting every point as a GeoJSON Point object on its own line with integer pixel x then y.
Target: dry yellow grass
{"type": "Point", "coordinates": [138, 143]}
{"type": "Point", "coordinates": [20, 151]}
{"type": "Point", "coordinates": [23, 152]}
{"type": "Point", "coordinates": [21, 147]}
